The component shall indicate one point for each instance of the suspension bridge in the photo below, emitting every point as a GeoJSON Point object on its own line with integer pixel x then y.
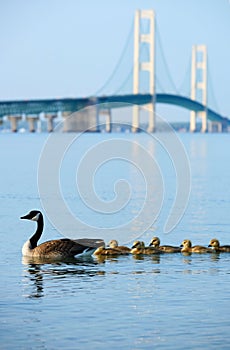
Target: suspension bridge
{"type": "Point", "coordinates": [145, 92]}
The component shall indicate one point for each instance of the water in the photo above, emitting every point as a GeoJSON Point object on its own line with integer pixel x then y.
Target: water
{"type": "Point", "coordinates": [163, 302]}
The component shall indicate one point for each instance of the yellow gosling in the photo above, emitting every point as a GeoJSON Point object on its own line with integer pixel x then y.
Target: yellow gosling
{"type": "Point", "coordinates": [155, 242]}
{"type": "Point", "coordinates": [139, 248]}
{"type": "Point", "coordinates": [187, 247]}
{"type": "Point", "coordinates": [215, 245]}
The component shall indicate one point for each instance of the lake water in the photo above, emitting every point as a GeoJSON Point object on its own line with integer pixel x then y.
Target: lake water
{"type": "Point", "coordinates": [170, 301]}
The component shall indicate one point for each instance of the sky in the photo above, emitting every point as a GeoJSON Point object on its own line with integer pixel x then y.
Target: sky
{"type": "Point", "coordinates": [69, 48]}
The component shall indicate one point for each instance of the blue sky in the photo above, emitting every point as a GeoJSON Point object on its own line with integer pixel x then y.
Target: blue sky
{"type": "Point", "coordinates": [63, 48]}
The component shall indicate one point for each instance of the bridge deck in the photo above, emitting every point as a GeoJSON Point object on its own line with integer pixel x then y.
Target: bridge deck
{"type": "Point", "coordinates": [113, 101]}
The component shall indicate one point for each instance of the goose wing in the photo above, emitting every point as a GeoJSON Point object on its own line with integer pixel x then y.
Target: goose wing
{"type": "Point", "coordinates": [62, 247]}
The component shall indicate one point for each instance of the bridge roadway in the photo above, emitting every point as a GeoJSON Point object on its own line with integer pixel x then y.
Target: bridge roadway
{"type": "Point", "coordinates": [30, 107]}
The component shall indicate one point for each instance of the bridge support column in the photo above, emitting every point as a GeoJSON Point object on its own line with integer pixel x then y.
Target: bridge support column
{"type": "Point", "coordinates": [83, 120]}
{"type": "Point", "coordinates": [108, 120]}
{"type": "Point", "coordinates": [204, 119]}
{"type": "Point", "coordinates": [50, 121]}
{"type": "Point", "coordinates": [14, 122]}
{"type": "Point", "coordinates": [199, 83]}
{"type": "Point", "coordinates": [192, 121]}
{"type": "Point", "coordinates": [31, 121]}
{"type": "Point", "coordinates": [149, 66]}
{"type": "Point", "coordinates": [215, 127]}
{"type": "Point", "coordinates": [152, 118]}
{"type": "Point", "coordinates": [65, 116]}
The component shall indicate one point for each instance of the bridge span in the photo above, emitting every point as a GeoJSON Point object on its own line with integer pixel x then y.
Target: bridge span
{"type": "Point", "coordinates": [52, 106]}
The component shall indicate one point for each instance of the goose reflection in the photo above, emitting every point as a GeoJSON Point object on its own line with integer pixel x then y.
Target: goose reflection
{"type": "Point", "coordinates": [38, 269]}
{"type": "Point", "coordinates": [34, 278]}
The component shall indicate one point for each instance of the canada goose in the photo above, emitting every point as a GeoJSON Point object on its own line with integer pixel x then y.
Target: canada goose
{"type": "Point", "coordinates": [186, 246]}
{"type": "Point", "coordinates": [215, 245]}
{"type": "Point", "coordinates": [155, 242]}
{"type": "Point", "coordinates": [114, 245]}
{"type": "Point", "coordinates": [138, 247]}
{"type": "Point", "coordinates": [58, 248]}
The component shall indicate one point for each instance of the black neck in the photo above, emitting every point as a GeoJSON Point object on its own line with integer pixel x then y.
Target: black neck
{"type": "Point", "coordinates": [35, 238]}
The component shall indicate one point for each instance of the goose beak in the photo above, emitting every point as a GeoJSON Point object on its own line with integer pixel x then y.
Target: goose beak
{"type": "Point", "coordinates": [25, 217]}
{"type": "Point", "coordinates": [181, 246]}
{"type": "Point", "coordinates": [209, 245]}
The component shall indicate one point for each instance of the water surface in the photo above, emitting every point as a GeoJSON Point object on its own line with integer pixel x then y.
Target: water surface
{"type": "Point", "coordinates": [170, 301]}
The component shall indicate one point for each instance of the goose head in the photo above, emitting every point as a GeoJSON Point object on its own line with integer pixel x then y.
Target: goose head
{"type": "Point", "coordinates": [33, 215]}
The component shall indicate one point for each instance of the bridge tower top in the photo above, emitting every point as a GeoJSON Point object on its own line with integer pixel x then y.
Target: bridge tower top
{"type": "Point", "coordinates": [148, 38]}
{"type": "Point", "coordinates": [199, 73]}
{"type": "Point", "coordinates": [140, 38]}
{"type": "Point", "coordinates": [199, 84]}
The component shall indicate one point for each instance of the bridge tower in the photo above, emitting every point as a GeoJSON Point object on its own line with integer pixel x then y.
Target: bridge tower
{"type": "Point", "coordinates": [149, 39]}
{"type": "Point", "coordinates": [199, 85]}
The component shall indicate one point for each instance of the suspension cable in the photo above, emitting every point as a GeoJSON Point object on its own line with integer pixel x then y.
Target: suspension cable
{"type": "Point", "coordinates": [164, 59]}
{"type": "Point", "coordinates": [119, 61]}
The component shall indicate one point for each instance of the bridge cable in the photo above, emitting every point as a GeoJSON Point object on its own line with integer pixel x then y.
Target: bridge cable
{"type": "Point", "coordinates": [184, 81]}
{"type": "Point", "coordinates": [210, 86]}
{"type": "Point", "coordinates": [119, 61]}
{"type": "Point", "coordinates": [164, 59]}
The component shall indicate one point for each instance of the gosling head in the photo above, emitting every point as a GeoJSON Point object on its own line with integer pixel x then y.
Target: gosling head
{"type": "Point", "coordinates": [33, 215]}
{"type": "Point", "coordinates": [186, 244]}
{"type": "Point", "coordinates": [113, 243]}
{"type": "Point", "coordinates": [138, 244]}
{"type": "Point", "coordinates": [155, 242]}
{"type": "Point", "coordinates": [214, 243]}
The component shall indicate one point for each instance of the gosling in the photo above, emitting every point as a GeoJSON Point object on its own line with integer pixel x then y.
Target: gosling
{"type": "Point", "coordinates": [187, 248]}
{"type": "Point", "coordinates": [121, 248]}
{"type": "Point", "coordinates": [215, 245]}
{"type": "Point", "coordinates": [138, 248]}
{"type": "Point", "coordinates": [155, 242]}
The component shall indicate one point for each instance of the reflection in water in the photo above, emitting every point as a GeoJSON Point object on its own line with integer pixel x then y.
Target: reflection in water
{"type": "Point", "coordinates": [155, 258]}
{"type": "Point", "coordinates": [36, 278]}
{"type": "Point", "coordinates": [38, 268]}
{"type": "Point", "coordinates": [203, 259]}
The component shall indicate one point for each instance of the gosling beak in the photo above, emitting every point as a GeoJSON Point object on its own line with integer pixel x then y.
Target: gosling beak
{"type": "Point", "coordinates": [181, 246]}
{"type": "Point", "coordinates": [150, 245]}
{"type": "Point", "coordinates": [210, 246]}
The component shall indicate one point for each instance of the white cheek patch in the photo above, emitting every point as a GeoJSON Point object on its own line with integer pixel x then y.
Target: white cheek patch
{"type": "Point", "coordinates": [36, 217]}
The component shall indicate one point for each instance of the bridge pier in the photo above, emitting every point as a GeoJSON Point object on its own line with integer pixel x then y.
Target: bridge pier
{"type": "Point", "coordinates": [152, 118]}
{"type": "Point", "coordinates": [108, 118]}
{"type": "Point", "coordinates": [65, 116]}
{"type": "Point", "coordinates": [50, 121]}
{"type": "Point", "coordinates": [135, 121]}
{"type": "Point", "coordinates": [31, 121]}
{"type": "Point", "coordinates": [14, 122]}
{"type": "Point", "coordinates": [192, 121]}
{"type": "Point", "coordinates": [215, 127]}
{"type": "Point", "coordinates": [204, 119]}
{"type": "Point", "coordinates": [83, 120]}
{"type": "Point", "coordinates": [108, 121]}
